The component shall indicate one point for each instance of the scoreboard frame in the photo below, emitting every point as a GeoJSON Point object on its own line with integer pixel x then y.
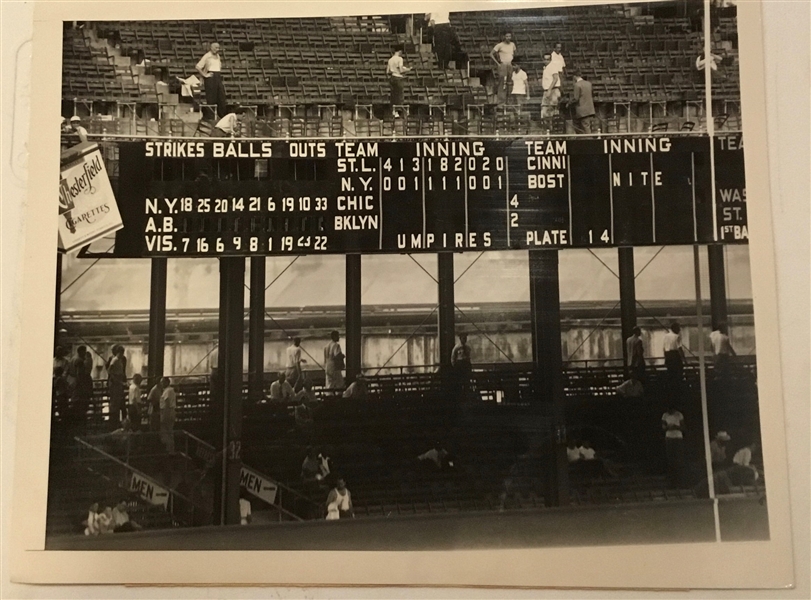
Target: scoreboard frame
{"type": "Point", "coordinates": [193, 197]}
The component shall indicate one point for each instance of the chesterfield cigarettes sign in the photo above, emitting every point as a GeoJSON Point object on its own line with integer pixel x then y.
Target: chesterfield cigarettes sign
{"type": "Point", "coordinates": [87, 206]}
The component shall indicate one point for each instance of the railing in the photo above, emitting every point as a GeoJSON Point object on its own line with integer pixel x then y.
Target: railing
{"type": "Point", "coordinates": [183, 509]}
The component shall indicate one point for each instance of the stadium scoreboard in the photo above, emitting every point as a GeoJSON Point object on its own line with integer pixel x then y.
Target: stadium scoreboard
{"type": "Point", "coordinates": [220, 197]}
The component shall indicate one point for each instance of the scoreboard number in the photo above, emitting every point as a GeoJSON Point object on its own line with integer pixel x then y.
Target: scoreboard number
{"type": "Point", "coordinates": [605, 237]}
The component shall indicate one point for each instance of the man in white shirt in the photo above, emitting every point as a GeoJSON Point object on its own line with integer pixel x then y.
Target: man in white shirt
{"type": "Point", "coordinates": [294, 361]}
{"type": "Point", "coordinates": [134, 402]}
{"type": "Point", "coordinates": [281, 390]}
{"type": "Point", "coordinates": [557, 59]}
{"type": "Point", "coordinates": [674, 352]}
{"type": "Point", "coordinates": [503, 54]}
{"type": "Point", "coordinates": [396, 71]}
{"type": "Point", "coordinates": [520, 91]}
{"type": "Point", "coordinates": [80, 131]}
{"type": "Point", "coordinates": [551, 88]}
{"type": "Point", "coordinates": [722, 349]}
{"type": "Point", "coordinates": [210, 69]}
{"type": "Point", "coordinates": [229, 126]}
{"type": "Point", "coordinates": [673, 424]}
{"type": "Point", "coordinates": [444, 36]}
{"type": "Point", "coordinates": [743, 472]}
{"type": "Point", "coordinates": [168, 404]}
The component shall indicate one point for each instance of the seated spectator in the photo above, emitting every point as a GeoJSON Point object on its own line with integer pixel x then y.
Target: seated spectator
{"type": "Point", "coordinates": [357, 389]}
{"type": "Point", "coordinates": [306, 395]}
{"type": "Point", "coordinates": [632, 388]}
{"type": "Point", "coordinates": [436, 457]}
{"type": "Point", "coordinates": [121, 519]}
{"type": "Point", "coordinates": [91, 523]}
{"type": "Point", "coordinates": [573, 452]}
{"type": "Point", "coordinates": [339, 502]}
{"type": "Point", "coordinates": [244, 509]}
{"type": "Point", "coordinates": [718, 450]}
{"type": "Point", "coordinates": [105, 521]}
{"type": "Point", "coordinates": [281, 390]}
{"type": "Point", "coordinates": [743, 472]}
{"type": "Point", "coordinates": [586, 451]}
{"type": "Point", "coordinates": [315, 466]}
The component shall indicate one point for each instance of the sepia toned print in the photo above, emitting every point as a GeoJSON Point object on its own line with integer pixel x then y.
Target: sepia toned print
{"type": "Point", "coordinates": [462, 280]}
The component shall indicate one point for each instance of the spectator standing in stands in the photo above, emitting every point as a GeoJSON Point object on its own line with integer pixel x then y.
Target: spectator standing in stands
{"type": "Point", "coordinates": [583, 106]}
{"type": "Point", "coordinates": [673, 425]}
{"type": "Point", "coordinates": [722, 348]}
{"type": "Point", "coordinates": [333, 363]}
{"type": "Point", "coordinates": [444, 36]}
{"type": "Point", "coordinates": [60, 360]}
{"type": "Point", "coordinates": [61, 393]}
{"type": "Point", "coordinates": [396, 71]}
{"type": "Point", "coordinates": [154, 402]}
{"type": "Point", "coordinates": [116, 379]}
{"type": "Point", "coordinates": [78, 130]}
{"type": "Point", "coordinates": [520, 91]}
{"type": "Point", "coordinates": [210, 69]}
{"type": "Point", "coordinates": [635, 350]}
{"type": "Point", "coordinates": [339, 502]}
{"type": "Point", "coordinates": [503, 54]}
{"type": "Point", "coordinates": [294, 360]}
{"type": "Point", "coordinates": [168, 404]}
{"type": "Point", "coordinates": [557, 58]}
{"type": "Point", "coordinates": [462, 366]}
{"type": "Point", "coordinates": [134, 402]}
{"type": "Point", "coordinates": [674, 353]}
{"type": "Point", "coordinates": [550, 82]}
{"type": "Point", "coordinates": [718, 450]}
{"type": "Point", "coordinates": [80, 380]}
{"type": "Point", "coordinates": [281, 390]}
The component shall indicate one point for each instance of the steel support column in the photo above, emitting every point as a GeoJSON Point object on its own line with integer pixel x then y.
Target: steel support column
{"type": "Point", "coordinates": [627, 296]}
{"type": "Point", "coordinates": [256, 331]}
{"type": "Point", "coordinates": [446, 327]}
{"type": "Point", "coordinates": [718, 289]}
{"type": "Point", "coordinates": [232, 332]}
{"type": "Point", "coordinates": [544, 289]}
{"type": "Point", "coordinates": [353, 317]}
{"type": "Point", "coordinates": [157, 320]}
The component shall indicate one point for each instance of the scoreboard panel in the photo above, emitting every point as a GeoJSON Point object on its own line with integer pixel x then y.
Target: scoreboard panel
{"type": "Point", "coordinates": [218, 197]}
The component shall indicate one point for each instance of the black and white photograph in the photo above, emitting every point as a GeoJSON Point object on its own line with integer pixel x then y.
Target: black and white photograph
{"type": "Point", "coordinates": [445, 280]}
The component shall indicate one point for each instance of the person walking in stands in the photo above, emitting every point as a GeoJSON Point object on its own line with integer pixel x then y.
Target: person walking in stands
{"type": "Point", "coordinates": [281, 390]}
{"type": "Point", "coordinates": [444, 36]}
{"type": "Point", "coordinates": [396, 71]}
{"type": "Point", "coordinates": [460, 362]}
{"type": "Point", "coordinates": [674, 352]}
{"type": "Point", "coordinates": [294, 360]}
{"type": "Point", "coordinates": [339, 502]}
{"type": "Point", "coordinates": [503, 54]}
{"type": "Point", "coordinates": [583, 106]}
{"type": "Point", "coordinates": [520, 91]}
{"type": "Point", "coordinates": [210, 69]}
{"type": "Point", "coordinates": [154, 402]}
{"type": "Point", "coordinates": [333, 363]}
{"type": "Point", "coordinates": [79, 131]}
{"type": "Point", "coordinates": [722, 348]}
{"type": "Point", "coordinates": [168, 404]}
{"type": "Point", "coordinates": [636, 354]}
{"type": "Point", "coordinates": [550, 82]}
{"type": "Point", "coordinates": [673, 425]}
{"type": "Point", "coordinates": [134, 402]}
{"type": "Point", "coordinates": [116, 379]}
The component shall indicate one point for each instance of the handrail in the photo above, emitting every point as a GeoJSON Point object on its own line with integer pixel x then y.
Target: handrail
{"type": "Point", "coordinates": [131, 468]}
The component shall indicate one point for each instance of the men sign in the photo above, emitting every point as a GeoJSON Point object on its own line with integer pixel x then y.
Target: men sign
{"type": "Point", "coordinates": [87, 205]}
{"type": "Point", "coordinates": [259, 485]}
{"type": "Point", "coordinates": [149, 490]}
